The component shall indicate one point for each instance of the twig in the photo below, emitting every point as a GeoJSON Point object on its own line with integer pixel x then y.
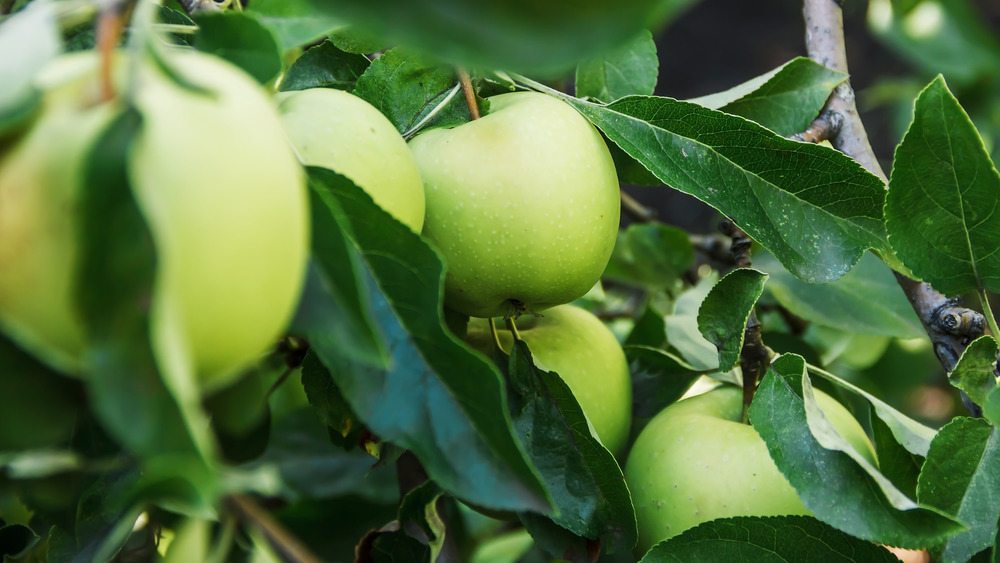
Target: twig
{"type": "Point", "coordinates": [289, 546]}
{"type": "Point", "coordinates": [470, 92]}
{"type": "Point", "coordinates": [110, 25]}
{"type": "Point", "coordinates": [949, 326]}
{"type": "Point", "coordinates": [754, 356]}
{"type": "Point", "coordinates": [637, 211]}
{"type": "Point", "coordinates": [195, 6]}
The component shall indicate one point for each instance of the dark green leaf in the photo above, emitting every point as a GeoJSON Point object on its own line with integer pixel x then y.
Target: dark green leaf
{"type": "Point", "coordinates": [104, 520]}
{"type": "Point", "coordinates": [34, 34]}
{"type": "Point", "coordinates": [785, 100]}
{"type": "Point", "coordinates": [832, 486]}
{"type": "Point", "coordinates": [658, 379]}
{"type": "Point", "coordinates": [413, 92]}
{"type": "Point", "coordinates": [177, 17]}
{"type": "Point", "coordinates": [38, 408]}
{"type": "Point", "coordinates": [991, 408]}
{"type": "Point", "coordinates": [324, 66]}
{"type": "Point", "coordinates": [522, 35]}
{"type": "Point", "coordinates": [420, 506]}
{"type": "Point", "coordinates": [557, 542]}
{"type": "Point", "coordinates": [296, 22]}
{"type": "Point", "coordinates": [313, 468]}
{"type": "Point", "coordinates": [629, 69]}
{"type": "Point", "coordinates": [437, 398]}
{"type": "Point", "coordinates": [397, 547]}
{"type": "Point", "coordinates": [943, 195]}
{"type": "Point", "coordinates": [329, 402]}
{"type": "Point", "coordinates": [899, 465]}
{"type": "Point", "coordinates": [351, 40]}
{"type": "Point", "coordinates": [815, 209]}
{"type": "Point", "coordinates": [774, 539]}
{"type": "Point", "coordinates": [975, 371]}
{"type": "Point", "coordinates": [586, 483]}
{"type": "Point", "coordinates": [15, 540]}
{"type": "Point", "coordinates": [242, 40]}
{"type": "Point", "coordinates": [962, 477]}
{"type": "Point", "coordinates": [867, 300]}
{"type": "Point", "coordinates": [653, 255]}
{"type": "Point", "coordinates": [723, 316]}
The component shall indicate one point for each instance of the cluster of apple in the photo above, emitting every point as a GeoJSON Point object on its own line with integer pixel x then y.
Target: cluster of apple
{"type": "Point", "coordinates": [523, 205]}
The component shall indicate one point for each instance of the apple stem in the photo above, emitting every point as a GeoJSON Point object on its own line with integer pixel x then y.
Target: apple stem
{"type": "Point", "coordinates": [496, 336]}
{"type": "Point", "coordinates": [110, 25]}
{"type": "Point", "coordinates": [470, 92]}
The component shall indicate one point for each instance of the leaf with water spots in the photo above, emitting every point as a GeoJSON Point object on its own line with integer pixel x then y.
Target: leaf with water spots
{"type": "Point", "coordinates": [815, 209]}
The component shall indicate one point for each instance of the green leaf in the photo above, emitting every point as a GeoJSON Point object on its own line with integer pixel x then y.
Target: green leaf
{"type": "Point", "coordinates": [943, 194]}
{"type": "Point", "coordinates": [912, 435]}
{"type": "Point", "coordinates": [952, 37]}
{"type": "Point", "coordinates": [650, 255]}
{"type": "Point", "coordinates": [117, 266]}
{"type": "Point", "coordinates": [629, 69]}
{"type": "Point", "coordinates": [420, 506]}
{"type": "Point", "coordinates": [899, 465]}
{"type": "Point", "coordinates": [682, 327]}
{"type": "Point", "coordinates": [242, 40]}
{"type": "Point", "coordinates": [658, 379]}
{"type": "Point", "coordinates": [296, 22]}
{"type": "Point", "coordinates": [649, 330]}
{"type": "Point", "coordinates": [312, 468]}
{"type": "Point", "coordinates": [815, 209]}
{"type": "Point", "coordinates": [962, 477]}
{"type": "Point", "coordinates": [16, 540]}
{"type": "Point", "coordinates": [329, 402]}
{"type": "Point", "coordinates": [867, 300]}
{"type": "Point", "coordinates": [777, 539]}
{"type": "Point", "coordinates": [785, 100]}
{"type": "Point", "coordinates": [34, 34]}
{"type": "Point", "coordinates": [975, 371]}
{"type": "Point", "coordinates": [991, 408]}
{"type": "Point", "coordinates": [831, 485]}
{"type": "Point", "coordinates": [723, 315]}
{"type": "Point", "coordinates": [413, 92]}
{"type": "Point", "coordinates": [324, 66]}
{"type": "Point", "coordinates": [437, 398]}
{"type": "Point", "coordinates": [538, 36]}
{"type": "Point", "coordinates": [587, 486]}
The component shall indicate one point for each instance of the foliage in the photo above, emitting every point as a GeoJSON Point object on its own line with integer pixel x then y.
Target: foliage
{"type": "Point", "coordinates": [372, 428]}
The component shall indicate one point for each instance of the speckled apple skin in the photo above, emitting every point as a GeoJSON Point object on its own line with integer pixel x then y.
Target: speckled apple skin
{"type": "Point", "coordinates": [523, 204]}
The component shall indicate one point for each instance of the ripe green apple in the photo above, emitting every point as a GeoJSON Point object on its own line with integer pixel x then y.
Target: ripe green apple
{"type": "Point", "coordinates": [523, 204]}
{"type": "Point", "coordinates": [696, 461]}
{"type": "Point", "coordinates": [342, 132]}
{"type": "Point", "coordinates": [221, 190]}
{"type": "Point", "coordinates": [575, 344]}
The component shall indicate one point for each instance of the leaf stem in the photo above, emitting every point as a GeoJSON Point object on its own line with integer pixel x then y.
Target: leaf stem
{"type": "Point", "coordinates": [470, 92]}
{"type": "Point", "coordinates": [988, 312]}
{"type": "Point", "coordinates": [277, 535]}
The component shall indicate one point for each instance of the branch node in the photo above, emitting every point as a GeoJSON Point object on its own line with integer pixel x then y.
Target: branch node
{"type": "Point", "coordinates": [825, 127]}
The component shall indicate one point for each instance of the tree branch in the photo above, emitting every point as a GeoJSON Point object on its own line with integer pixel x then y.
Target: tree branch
{"type": "Point", "coordinates": [949, 326]}
{"type": "Point", "coordinates": [289, 546]}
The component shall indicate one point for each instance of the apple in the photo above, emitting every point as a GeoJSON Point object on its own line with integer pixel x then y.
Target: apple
{"type": "Point", "coordinates": [221, 191]}
{"type": "Point", "coordinates": [575, 344]}
{"type": "Point", "coordinates": [696, 461]}
{"type": "Point", "coordinates": [342, 132]}
{"type": "Point", "coordinates": [522, 203]}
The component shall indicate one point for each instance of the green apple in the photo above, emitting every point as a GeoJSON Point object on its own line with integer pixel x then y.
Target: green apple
{"type": "Point", "coordinates": [523, 204]}
{"type": "Point", "coordinates": [222, 192]}
{"type": "Point", "coordinates": [575, 344]}
{"type": "Point", "coordinates": [696, 461]}
{"type": "Point", "coordinates": [342, 132]}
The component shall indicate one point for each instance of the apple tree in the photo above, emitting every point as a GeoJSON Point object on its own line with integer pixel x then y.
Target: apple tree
{"type": "Point", "coordinates": [393, 280]}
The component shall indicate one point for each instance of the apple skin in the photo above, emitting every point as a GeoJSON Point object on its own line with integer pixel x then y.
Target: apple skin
{"type": "Point", "coordinates": [523, 204]}
{"type": "Point", "coordinates": [342, 132]}
{"type": "Point", "coordinates": [575, 344]}
{"type": "Point", "coordinates": [696, 461]}
{"type": "Point", "coordinates": [221, 191]}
